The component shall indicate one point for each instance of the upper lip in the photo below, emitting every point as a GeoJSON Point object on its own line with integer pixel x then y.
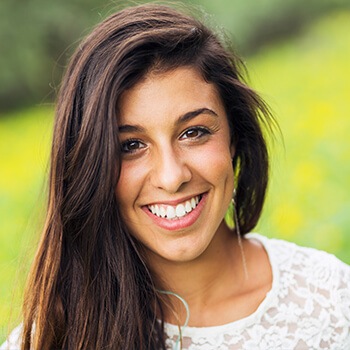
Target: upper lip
{"type": "Point", "coordinates": [174, 202]}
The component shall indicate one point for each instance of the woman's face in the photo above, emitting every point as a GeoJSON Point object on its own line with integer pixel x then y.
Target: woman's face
{"type": "Point", "coordinates": [176, 177]}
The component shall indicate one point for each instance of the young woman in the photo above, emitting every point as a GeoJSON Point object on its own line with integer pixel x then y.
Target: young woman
{"type": "Point", "coordinates": [156, 136]}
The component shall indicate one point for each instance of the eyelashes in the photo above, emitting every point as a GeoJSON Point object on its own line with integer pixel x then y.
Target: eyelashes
{"type": "Point", "coordinates": [195, 132]}
{"type": "Point", "coordinates": [134, 145]}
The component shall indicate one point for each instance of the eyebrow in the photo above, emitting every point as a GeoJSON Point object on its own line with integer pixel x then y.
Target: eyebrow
{"type": "Point", "coordinates": [182, 119]}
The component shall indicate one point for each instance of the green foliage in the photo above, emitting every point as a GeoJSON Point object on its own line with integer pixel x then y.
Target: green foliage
{"type": "Point", "coordinates": [24, 147]}
{"type": "Point", "coordinates": [36, 39]}
{"type": "Point", "coordinates": [306, 82]}
{"type": "Point", "coordinates": [38, 36]}
{"type": "Point", "coordinates": [256, 23]}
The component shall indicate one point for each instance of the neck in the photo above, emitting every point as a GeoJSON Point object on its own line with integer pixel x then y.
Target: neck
{"type": "Point", "coordinates": [203, 282]}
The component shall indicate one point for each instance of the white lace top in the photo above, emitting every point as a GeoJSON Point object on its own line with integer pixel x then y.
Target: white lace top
{"type": "Point", "coordinates": [308, 307]}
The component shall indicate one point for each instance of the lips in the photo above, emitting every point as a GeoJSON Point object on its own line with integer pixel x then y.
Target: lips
{"type": "Point", "coordinates": [176, 218]}
{"type": "Point", "coordinates": [171, 212]}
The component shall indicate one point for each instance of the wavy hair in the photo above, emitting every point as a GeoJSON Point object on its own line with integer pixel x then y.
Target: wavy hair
{"type": "Point", "coordinates": [89, 287]}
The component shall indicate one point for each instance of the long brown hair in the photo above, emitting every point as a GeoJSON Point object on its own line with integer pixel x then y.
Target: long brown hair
{"type": "Point", "coordinates": [89, 287]}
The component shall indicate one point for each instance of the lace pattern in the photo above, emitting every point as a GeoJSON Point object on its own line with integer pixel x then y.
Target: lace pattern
{"type": "Point", "coordinates": [308, 307]}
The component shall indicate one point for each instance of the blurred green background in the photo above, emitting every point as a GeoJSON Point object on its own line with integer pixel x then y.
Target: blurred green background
{"type": "Point", "coordinates": [298, 56]}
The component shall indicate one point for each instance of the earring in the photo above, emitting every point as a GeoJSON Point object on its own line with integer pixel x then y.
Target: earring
{"type": "Point", "coordinates": [238, 232]}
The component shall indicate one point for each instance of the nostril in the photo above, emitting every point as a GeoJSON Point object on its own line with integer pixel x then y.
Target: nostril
{"type": "Point", "coordinates": [171, 173]}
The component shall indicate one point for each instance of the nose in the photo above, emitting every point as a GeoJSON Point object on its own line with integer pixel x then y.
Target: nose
{"type": "Point", "coordinates": [170, 170]}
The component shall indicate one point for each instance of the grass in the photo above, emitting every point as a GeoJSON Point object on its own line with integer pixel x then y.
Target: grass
{"type": "Point", "coordinates": [305, 80]}
{"type": "Point", "coordinates": [24, 148]}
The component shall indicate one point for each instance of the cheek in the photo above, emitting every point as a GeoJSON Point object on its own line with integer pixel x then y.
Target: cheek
{"type": "Point", "coordinates": [216, 162]}
{"type": "Point", "coordinates": [129, 184]}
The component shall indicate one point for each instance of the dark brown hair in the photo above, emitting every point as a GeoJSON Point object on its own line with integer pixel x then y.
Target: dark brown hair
{"type": "Point", "coordinates": [89, 287]}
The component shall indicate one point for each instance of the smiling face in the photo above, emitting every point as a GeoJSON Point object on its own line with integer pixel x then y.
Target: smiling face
{"type": "Point", "coordinates": [176, 177]}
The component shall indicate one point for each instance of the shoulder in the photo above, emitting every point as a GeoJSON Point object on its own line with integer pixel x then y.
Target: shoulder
{"type": "Point", "coordinates": [322, 275]}
{"type": "Point", "coordinates": [312, 292]}
{"type": "Point", "coordinates": [13, 341]}
{"type": "Point", "coordinates": [308, 269]}
{"type": "Point", "coordinates": [312, 277]}
{"type": "Point", "coordinates": [314, 266]}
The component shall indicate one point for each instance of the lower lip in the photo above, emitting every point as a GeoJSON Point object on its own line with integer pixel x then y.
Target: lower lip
{"type": "Point", "coordinates": [179, 223]}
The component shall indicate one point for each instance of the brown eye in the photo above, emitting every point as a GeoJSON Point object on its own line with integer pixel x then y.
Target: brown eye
{"type": "Point", "coordinates": [194, 133]}
{"type": "Point", "coordinates": [131, 146]}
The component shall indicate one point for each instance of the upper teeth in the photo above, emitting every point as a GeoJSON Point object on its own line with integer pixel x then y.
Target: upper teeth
{"type": "Point", "coordinates": [171, 212]}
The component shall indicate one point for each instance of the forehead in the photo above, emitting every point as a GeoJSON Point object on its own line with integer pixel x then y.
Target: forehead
{"type": "Point", "coordinates": [168, 94]}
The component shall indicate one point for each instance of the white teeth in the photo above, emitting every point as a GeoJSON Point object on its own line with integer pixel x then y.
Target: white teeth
{"type": "Point", "coordinates": [170, 212]}
{"type": "Point", "coordinates": [162, 212]}
{"type": "Point", "coordinates": [180, 210]}
{"type": "Point", "coordinates": [188, 207]}
{"type": "Point", "coordinates": [193, 203]}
